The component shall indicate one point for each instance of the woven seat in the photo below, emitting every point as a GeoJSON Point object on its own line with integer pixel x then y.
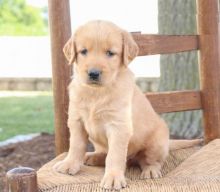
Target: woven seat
{"type": "Point", "coordinates": [190, 169]}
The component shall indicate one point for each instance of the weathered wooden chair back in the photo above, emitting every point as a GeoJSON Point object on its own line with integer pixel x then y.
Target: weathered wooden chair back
{"type": "Point", "coordinates": [207, 42]}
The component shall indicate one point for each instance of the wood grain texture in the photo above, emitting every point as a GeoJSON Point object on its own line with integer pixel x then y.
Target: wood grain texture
{"type": "Point", "coordinates": [60, 32]}
{"type": "Point", "coordinates": [166, 102]}
{"type": "Point", "coordinates": [208, 29]}
{"type": "Point", "coordinates": [22, 179]}
{"type": "Point", "coordinates": [164, 44]}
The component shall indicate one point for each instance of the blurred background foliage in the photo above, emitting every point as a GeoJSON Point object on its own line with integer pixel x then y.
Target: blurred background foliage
{"type": "Point", "coordinates": [19, 18]}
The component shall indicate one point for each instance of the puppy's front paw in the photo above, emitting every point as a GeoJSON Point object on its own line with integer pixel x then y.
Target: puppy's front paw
{"type": "Point", "coordinates": [113, 180]}
{"type": "Point", "coordinates": [67, 167]}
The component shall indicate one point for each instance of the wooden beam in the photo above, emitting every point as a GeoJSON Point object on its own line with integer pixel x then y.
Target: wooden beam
{"type": "Point", "coordinates": [209, 31]}
{"type": "Point", "coordinates": [164, 44]}
{"type": "Point", "coordinates": [60, 32]}
{"type": "Point", "coordinates": [166, 102]}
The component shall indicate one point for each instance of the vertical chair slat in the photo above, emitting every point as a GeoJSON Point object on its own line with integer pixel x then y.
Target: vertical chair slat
{"type": "Point", "coordinates": [208, 29]}
{"type": "Point", "coordinates": [60, 31]}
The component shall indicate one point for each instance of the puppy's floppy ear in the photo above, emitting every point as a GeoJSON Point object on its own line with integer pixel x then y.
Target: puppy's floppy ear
{"type": "Point", "coordinates": [69, 50]}
{"type": "Point", "coordinates": [130, 48]}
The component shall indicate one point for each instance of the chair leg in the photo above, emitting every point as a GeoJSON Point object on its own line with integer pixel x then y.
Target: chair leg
{"type": "Point", "coordinates": [209, 38]}
{"type": "Point", "coordinates": [22, 179]}
{"type": "Point", "coordinates": [60, 32]}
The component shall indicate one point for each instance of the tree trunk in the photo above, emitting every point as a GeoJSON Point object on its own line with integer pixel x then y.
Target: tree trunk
{"type": "Point", "coordinates": [179, 71]}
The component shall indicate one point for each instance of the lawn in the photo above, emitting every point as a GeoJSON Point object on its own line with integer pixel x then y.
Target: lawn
{"type": "Point", "coordinates": [25, 112]}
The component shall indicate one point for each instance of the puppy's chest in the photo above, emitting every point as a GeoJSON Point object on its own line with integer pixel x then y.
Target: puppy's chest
{"type": "Point", "coordinates": [95, 117]}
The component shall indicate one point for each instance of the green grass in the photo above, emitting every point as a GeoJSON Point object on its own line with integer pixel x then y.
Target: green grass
{"type": "Point", "coordinates": [25, 112]}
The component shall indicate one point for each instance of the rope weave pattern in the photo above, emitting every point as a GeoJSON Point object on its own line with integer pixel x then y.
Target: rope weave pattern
{"type": "Point", "coordinates": [190, 169]}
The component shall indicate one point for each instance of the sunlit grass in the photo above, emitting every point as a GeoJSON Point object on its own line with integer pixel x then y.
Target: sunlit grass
{"type": "Point", "coordinates": [25, 112]}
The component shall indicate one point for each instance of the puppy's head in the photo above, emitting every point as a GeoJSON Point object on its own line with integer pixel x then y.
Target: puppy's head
{"type": "Point", "coordinates": [99, 49]}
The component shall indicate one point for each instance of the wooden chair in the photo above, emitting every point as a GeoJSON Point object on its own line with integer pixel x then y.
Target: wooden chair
{"type": "Point", "coordinates": [193, 169]}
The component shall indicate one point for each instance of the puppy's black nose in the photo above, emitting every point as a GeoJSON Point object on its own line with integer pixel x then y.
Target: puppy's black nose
{"type": "Point", "coordinates": [94, 74]}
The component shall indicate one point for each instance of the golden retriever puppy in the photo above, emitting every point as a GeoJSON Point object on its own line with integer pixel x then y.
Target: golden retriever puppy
{"type": "Point", "coordinates": [108, 109]}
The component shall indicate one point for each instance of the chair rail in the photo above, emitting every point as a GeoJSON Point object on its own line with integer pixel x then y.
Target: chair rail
{"type": "Point", "coordinates": [166, 102]}
{"type": "Point", "coordinates": [165, 44]}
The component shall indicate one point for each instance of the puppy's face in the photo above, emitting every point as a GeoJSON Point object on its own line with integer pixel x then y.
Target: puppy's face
{"type": "Point", "coordinates": [99, 50]}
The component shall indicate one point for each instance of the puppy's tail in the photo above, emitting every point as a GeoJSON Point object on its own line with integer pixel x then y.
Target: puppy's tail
{"type": "Point", "coordinates": [180, 144]}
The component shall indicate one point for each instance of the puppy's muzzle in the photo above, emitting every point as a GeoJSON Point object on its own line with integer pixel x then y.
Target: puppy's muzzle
{"type": "Point", "coordinates": [94, 75]}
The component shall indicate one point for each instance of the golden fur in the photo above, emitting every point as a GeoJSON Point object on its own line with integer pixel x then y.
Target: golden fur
{"type": "Point", "coordinates": [112, 113]}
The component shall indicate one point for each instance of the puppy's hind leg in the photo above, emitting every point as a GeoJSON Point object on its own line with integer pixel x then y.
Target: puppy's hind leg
{"type": "Point", "coordinates": [150, 162]}
{"type": "Point", "coordinates": [150, 170]}
{"type": "Point", "coordinates": [95, 159]}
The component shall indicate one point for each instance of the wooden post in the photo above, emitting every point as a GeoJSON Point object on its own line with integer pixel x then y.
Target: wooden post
{"type": "Point", "coordinates": [209, 39]}
{"type": "Point", "coordinates": [60, 32]}
{"type": "Point", "coordinates": [22, 179]}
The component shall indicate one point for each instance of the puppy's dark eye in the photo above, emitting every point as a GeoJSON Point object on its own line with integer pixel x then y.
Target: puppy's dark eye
{"type": "Point", "coordinates": [110, 53]}
{"type": "Point", "coordinates": [84, 51]}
